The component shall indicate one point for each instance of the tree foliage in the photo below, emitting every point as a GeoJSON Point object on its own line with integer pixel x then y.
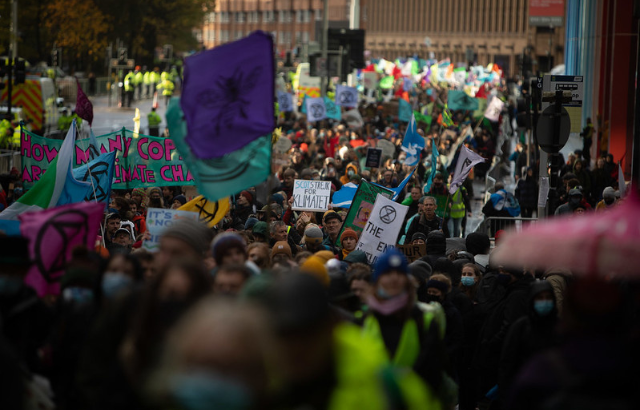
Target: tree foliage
{"type": "Point", "coordinates": [84, 28]}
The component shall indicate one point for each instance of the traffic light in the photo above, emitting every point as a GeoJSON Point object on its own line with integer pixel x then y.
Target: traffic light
{"type": "Point", "coordinates": [20, 72]}
{"type": "Point", "coordinates": [122, 56]}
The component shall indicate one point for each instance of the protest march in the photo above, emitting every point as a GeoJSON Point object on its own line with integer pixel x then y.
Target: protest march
{"type": "Point", "coordinates": [394, 243]}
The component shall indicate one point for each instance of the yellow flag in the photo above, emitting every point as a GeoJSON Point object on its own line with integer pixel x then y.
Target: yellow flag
{"type": "Point", "coordinates": [210, 212]}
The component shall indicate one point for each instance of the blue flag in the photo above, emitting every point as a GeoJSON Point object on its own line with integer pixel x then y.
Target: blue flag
{"type": "Point", "coordinates": [413, 143]}
{"type": "Point", "coordinates": [331, 109]}
{"type": "Point", "coordinates": [99, 173]}
{"type": "Point", "coordinates": [344, 197]}
{"type": "Point", "coordinates": [459, 100]}
{"type": "Point", "coordinates": [404, 111]}
{"type": "Point", "coordinates": [225, 176]}
{"type": "Point", "coordinates": [397, 190]}
{"type": "Point", "coordinates": [227, 97]}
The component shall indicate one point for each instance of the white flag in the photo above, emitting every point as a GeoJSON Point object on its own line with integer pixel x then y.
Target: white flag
{"type": "Point", "coordinates": [622, 185]}
{"type": "Point", "coordinates": [382, 228]}
{"type": "Point", "coordinates": [346, 96]}
{"type": "Point", "coordinates": [316, 110]}
{"type": "Point", "coordinates": [467, 160]}
{"type": "Point", "coordinates": [353, 118]}
{"type": "Point", "coordinates": [494, 109]}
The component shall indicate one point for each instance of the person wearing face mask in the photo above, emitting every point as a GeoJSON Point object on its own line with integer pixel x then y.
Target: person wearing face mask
{"type": "Point", "coordinates": [608, 199]}
{"type": "Point", "coordinates": [529, 335]}
{"type": "Point", "coordinates": [350, 170]}
{"type": "Point", "coordinates": [408, 334]}
{"type": "Point", "coordinates": [499, 318]}
{"type": "Point", "coordinates": [575, 199]}
{"type": "Point", "coordinates": [24, 318]}
{"type": "Point", "coordinates": [168, 296]}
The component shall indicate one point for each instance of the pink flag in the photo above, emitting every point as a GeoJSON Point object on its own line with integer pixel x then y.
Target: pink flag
{"type": "Point", "coordinates": [52, 234]}
{"type": "Point", "coordinates": [84, 108]}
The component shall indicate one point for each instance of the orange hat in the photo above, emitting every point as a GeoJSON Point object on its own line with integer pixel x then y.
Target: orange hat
{"type": "Point", "coordinates": [348, 233]}
{"type": "Point", "coordinates": [325, 256]}
{"type": "Point", "coordinates": [314, 266]}
{"type": "Point", "coordinates": [281, 248]}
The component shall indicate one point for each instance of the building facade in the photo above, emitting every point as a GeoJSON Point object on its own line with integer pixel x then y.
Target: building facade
{"type": "Point", "coordinates": [483, 31]}
{"type": "Point", "coordinates": [293, 23]}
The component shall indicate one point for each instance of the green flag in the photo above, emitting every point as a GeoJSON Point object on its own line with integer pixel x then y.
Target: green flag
{"type": "Point", "coordinates": [387, 82]}
{"type": "Point", "coordinates": [361, 206]}
{"type": "Point", "coordinates": [422, 118]}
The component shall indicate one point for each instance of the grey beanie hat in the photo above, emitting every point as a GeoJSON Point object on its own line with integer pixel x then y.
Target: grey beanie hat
{"type": "Point", "coordinates": [194, 233]}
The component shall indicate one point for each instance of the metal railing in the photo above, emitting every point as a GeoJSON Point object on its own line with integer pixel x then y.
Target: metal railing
{"type": "Point", "coordinates": [492, 224]}
{"type": "Point", "coordinates": [9, 159]}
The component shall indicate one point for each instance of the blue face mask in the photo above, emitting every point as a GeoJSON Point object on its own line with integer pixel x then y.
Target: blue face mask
{"type": "Point", "coordinates": [114, 283]}
{"type": "Point", "coordinates": [205, 390]}
{"type": "Point", "coordinates": [9, 285]}
{"type": "Point", "coordinates": [77, 296]}
{"type": "Point", "coordinates": [543, 307]}
{"type": "Point", "coordinates": [467, 281]}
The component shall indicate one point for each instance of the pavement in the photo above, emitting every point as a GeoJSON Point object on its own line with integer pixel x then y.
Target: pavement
{"type": "Point", "coordinates": [109, 117]}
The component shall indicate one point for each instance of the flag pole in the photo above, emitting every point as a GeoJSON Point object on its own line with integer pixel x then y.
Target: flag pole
{"type": "Point", "coordinates": [478, 125]}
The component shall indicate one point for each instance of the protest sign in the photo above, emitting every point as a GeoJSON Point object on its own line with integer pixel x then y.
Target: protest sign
{"type": "Point", "coordinates": [285, 102]}
{"type": "Point", "coordinates": [413, 252]}
{"type": "Point", "coordinates": [382, 228]}
{"type": "Point", "coordinates": [370, 80]}
{"type": "Point", "coordinates": [311, 195]}
{"type": "Point", "coordinates": [141, 161]}
{"type": "Point", "coordinates": [374, 158]}
{"type": "Point", "coordinates": [361, 206]}
{"type": "Point", "coordinates": [494, 109]}
{"type": "Point", "coordinates": [316, 109]}
{"type": "Point", "coordinates": [158, 220]}
{"type": "Point", "coordinates": [346, 96]}
{"type": "Point", "coordinates": [353, 118]}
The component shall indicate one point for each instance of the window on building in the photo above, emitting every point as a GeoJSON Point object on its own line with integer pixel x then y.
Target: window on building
{"type": "Point", "coordinates": [281, 16]}
{"type": "Point", "coordinates": [224, 35]}
{"type": "Point", "coordinates": [305, 16]}
{"type": "Point", "coordinates": [240, 17]}
{"type": "Point", "coordinates": [289, 16]}
{"type": "Point", "coordinates": [287, 37]}
{"type": "Point", "coordinates": [318, 14]}
{"type": "Point", "coordinates": [305, 37]}
{"type": "Point", "coordinates": [239, 34]}
{"type": "Point", "coordinates": [281, 38]}
{"type": "Point", "coordinates": [298, 16]}
{"type": "Point", "coordinates": [274, 34]}
{"type": "Point", "coordinates": [298, 37]}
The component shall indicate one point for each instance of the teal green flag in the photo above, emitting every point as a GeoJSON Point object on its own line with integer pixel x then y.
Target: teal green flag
{"type": "Point", "coordinates": [404, 111]}
{"type": "Point", "coordinates": [361, 206]}
{"type": "Point", "coordinates": [459, 100]}
{"type": "Point", "coordinates": [220, 177]}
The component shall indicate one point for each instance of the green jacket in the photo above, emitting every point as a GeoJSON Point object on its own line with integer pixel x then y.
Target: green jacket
{"type": "Point", "coordinates": [167, 87]}
{"type": "Point", "coordinates": [146, 78]}
{"type": "Point", "coordinates": [138, 78]}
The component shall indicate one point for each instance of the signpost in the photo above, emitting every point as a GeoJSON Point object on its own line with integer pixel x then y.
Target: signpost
{"type": "Point", "coordinates": [574, 84]}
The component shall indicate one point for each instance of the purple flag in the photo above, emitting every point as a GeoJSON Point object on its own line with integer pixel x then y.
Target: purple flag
{"type": "Point", "coordinates": [52, 234]}
{"type": "Point", "coordinates": [84, 108]}
{"type": "Point", "coordinates": [228, 96]}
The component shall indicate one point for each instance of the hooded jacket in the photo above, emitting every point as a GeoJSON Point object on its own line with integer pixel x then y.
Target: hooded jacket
{"type": "Point", "coordinates": [527, 336]}
{"type": "Point", "coordinates": [346, 178]}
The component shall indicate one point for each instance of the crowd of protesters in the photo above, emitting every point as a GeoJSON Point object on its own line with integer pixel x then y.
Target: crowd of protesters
{"type": "Point", "coordinates": [275, 308]}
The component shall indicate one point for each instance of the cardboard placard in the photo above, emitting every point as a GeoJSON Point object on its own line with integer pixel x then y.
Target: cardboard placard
{"type": "Point", "coordinates": [311, 195]}
{"type": "Point", "coordinates": [382, 228]}
{"type": "Point", "coordinates": [374, 158]}
{"type": "Point", "coordinates": [413, 252]}
{"type": "Point", "coordinates": [158, 220]}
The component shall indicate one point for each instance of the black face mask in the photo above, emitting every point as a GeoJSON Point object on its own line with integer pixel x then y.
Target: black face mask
{"type": "Point", "coordinates": [503, 279]}
{"type": "Point", "coordinates": [609, 201]}
{"type": "Point", "coordinates": [433, 298]}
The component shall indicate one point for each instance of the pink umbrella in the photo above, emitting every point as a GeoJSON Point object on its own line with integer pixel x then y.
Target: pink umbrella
{"type": "Point", "coordinates": [597, 244]}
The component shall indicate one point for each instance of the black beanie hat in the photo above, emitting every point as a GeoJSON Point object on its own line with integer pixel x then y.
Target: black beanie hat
{"type": "Point", "coordinates": [478, 243]}
{"type": "Point", "coordinates": [436, 243]}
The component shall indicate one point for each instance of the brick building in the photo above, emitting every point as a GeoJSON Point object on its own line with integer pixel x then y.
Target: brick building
{"type": "Point", "coordinates": [492, 30]}
{"type": "Point", "coordinates": [293, 23]}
